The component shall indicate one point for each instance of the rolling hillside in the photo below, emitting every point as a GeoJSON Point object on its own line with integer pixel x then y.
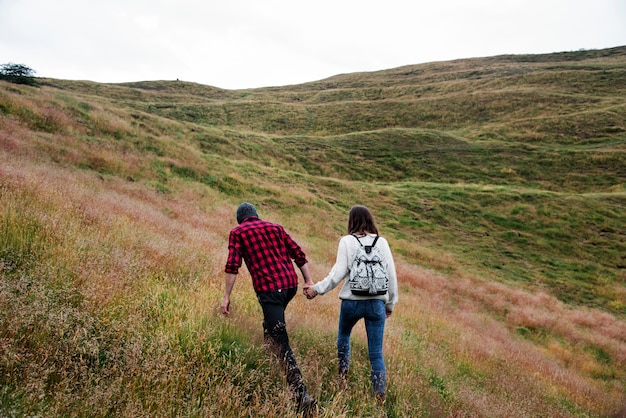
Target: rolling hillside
{"type": "Point", "coordinates": [499, 182]}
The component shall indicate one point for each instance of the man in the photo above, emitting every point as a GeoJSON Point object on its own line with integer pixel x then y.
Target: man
{"type": "Point", "coordinates": [268, 252]}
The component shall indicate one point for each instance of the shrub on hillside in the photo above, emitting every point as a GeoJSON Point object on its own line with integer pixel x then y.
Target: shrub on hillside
{"type": "Point", "coordinates": [18, 74]}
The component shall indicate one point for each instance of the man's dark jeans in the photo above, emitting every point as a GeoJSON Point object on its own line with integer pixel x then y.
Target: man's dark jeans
{"type": "Point", "coordinates": [275, 334]}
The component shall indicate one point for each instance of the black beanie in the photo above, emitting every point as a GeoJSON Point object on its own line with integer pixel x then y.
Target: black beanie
{"type": "Point", "coordinates": [245, 210]}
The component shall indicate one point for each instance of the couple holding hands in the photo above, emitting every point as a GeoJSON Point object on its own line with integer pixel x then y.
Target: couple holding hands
{"type": "Point", "coordinates": [268, 251]}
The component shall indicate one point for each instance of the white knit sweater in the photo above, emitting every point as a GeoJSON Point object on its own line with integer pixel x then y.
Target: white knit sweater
{"type": "Point", "coordinates": [346, 252]}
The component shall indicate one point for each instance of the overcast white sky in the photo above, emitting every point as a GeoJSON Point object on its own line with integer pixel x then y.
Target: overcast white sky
{"type": "Point", "coordinates": [237, 44]}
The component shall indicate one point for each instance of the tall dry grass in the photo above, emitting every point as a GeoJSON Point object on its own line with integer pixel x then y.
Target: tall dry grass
{"type": "Point", "coordinates": [454, 344]}
{"type": "Point", "coordinates": [116, 313]}
{"type": "Point", "coordinates": [111, 280]}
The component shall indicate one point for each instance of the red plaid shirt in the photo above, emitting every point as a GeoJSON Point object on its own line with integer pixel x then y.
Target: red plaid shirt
{"type": "Point", "coordinates": [267, 250]}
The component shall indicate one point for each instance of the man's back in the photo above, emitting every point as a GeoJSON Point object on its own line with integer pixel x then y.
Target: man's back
{"type": "Point", "coordinates": [268, 251]}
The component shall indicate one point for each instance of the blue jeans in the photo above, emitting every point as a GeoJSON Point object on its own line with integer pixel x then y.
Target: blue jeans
{"type": "Point", "coordinates": [373, 311]}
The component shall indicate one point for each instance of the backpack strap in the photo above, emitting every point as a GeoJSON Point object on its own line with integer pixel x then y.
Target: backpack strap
{"type": "Point", "coordinates": [357, 238]}
{"type": "Point", "coordinates": [373, 243]}
{"type": "Point", "coordinates": [368, 248]}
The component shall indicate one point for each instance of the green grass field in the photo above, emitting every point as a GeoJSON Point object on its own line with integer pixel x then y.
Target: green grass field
{"type": "Point", "coordinates": [499, 182]}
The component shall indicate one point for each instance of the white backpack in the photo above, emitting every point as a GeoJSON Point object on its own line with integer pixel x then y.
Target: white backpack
{"type": "Point", "coordinates": [368, 274]}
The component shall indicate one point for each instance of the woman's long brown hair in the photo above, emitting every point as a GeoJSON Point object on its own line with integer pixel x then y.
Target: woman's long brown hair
{"type": "Point", "coordinates": [361, 221]}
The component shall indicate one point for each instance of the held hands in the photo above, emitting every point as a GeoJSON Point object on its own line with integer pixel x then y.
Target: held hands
{"type": "Point", "coordinates": [308, 291]}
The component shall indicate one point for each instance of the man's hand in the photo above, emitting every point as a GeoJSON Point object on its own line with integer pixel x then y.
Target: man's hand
{"type": "Point", "coordinates": [226, 306]}
{"type": "Point", "coordinates": [229, 282]}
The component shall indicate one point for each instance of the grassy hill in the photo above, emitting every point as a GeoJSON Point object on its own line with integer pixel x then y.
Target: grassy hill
{"type": "Point", "coordinates": [499, 182]}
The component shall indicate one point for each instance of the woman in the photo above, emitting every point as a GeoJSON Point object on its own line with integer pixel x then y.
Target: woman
{"type": "Point", "coordinates": [374, 309]}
